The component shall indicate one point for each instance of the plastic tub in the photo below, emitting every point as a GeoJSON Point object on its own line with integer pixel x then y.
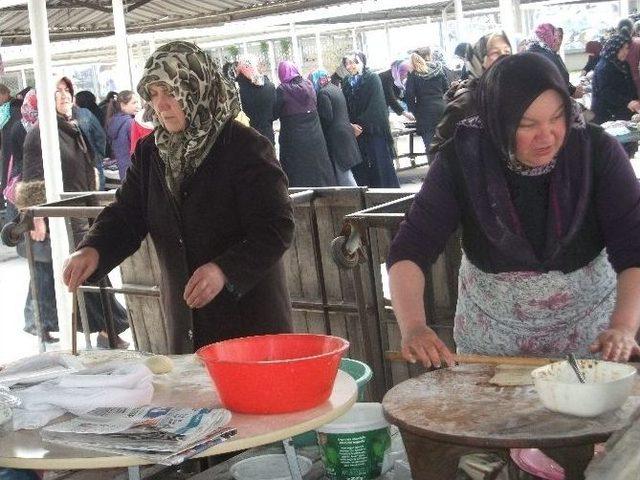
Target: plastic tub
{"type": "Point", "coordinates": [268, 467]}
{"type": "Point", "coordinates": [274, 373]}
{"type": "Point", "coordinates": [361, 373]}
{"type": "Point", "coordinates": [354, 445]}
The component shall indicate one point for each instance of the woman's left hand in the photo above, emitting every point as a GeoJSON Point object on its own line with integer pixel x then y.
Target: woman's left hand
{"type": "Point", "coordinates": [204, 285]}
{"type": "Point", "coordinates": [616, 344]}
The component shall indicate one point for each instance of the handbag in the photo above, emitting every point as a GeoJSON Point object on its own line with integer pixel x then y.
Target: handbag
{"type": "Point", "coordinates": [9, 191]}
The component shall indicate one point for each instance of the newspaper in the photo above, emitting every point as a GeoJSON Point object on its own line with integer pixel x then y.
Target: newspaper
{"type": "Point", "coordinates": [165, 435]}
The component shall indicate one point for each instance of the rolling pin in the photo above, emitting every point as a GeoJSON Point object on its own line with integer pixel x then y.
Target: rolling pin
{"type": "Point", "coordinates": [395, 356]}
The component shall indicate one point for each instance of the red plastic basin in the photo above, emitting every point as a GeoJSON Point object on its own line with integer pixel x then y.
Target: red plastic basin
{"type": "Point", "coordinates": [274, 373]}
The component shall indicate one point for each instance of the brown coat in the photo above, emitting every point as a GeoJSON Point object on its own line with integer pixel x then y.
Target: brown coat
{"type": "Point", "coordinates": [234, 211]}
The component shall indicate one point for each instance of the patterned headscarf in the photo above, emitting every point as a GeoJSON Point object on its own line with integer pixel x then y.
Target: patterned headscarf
{"type": "Point", "coordinates": [250, 72]}
{"type": "Point", "coordinates": [29, 110]}
{"type": "Point", "coordinates": [613, 46]}
{"type": "Point", "coordinates": [549, 35]}
{"type": "Point", "coordinates": [319, 78]}
{"type": "Point", "coordinates": [208, 99]}
{"type": "Point", "coordinates": [478, 53]}
{"type": "Point", "coordinates": [399, 71]}
{"type": "Point", "coordinates": [287, 71]}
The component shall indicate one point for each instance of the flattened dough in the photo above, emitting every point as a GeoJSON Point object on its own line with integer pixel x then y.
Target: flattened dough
{"type": "Point", "coordinates": [512, 375]}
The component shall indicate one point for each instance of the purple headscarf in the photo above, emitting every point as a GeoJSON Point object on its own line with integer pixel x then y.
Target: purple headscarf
{"type": "Point", "coordinates": [287, 71]}
{"type": "Point", "coordinates": [399, 71]}
{"type": "Point", "coordinates": [549, 35]}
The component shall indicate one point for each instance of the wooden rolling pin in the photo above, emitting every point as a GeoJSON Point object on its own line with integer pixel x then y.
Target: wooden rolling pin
{"type": "Point", "coordinates": [487, 360]}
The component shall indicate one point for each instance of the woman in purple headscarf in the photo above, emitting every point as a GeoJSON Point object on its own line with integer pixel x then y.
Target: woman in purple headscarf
{"type": "Point", "coordinates": [303, 150]}
{"type": "Point", "coordinates": [393, 85]}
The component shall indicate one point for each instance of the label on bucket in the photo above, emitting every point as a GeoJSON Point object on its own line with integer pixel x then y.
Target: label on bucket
{"type": "Point", "coordinates": [354, 456]}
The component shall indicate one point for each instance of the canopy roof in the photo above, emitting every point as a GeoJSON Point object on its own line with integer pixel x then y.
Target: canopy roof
{"type": "Point", "coordinates": [76, 19]}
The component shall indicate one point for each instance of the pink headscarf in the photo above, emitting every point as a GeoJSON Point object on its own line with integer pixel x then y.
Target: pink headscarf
{"type": "Point", "coordinates": [549, 35]}
{"type": "Point", "coordinates": [250, 72]}
{"type": "Point", "coordinates": [287, 71]}
{"type": "Point", "coordinates": [29, 110]}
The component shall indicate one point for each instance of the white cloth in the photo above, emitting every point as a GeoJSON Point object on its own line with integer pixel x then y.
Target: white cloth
{"type": "Point", "coordinates": [39, 368]}
{"type": "Point", "coordinates": [112, 385]}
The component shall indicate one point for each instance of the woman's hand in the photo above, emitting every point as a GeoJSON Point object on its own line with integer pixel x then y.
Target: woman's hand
{"type": "Point", "coordinates": [204, 285]}
{"type": "Point", "coordinates": [423, 344]}
{"type": "Point", "coordinates": [39, 232]}
{"type": "Point", "coordinates": [409, 116]}
{"type": "Point", "coordinates": [616, 345]}
{"type": "Point", "coordinates": [634, 105]}
{"type": "Point", "coordinates": [80, 266]}
{"type": "Point", "coordinates": [357, 129]}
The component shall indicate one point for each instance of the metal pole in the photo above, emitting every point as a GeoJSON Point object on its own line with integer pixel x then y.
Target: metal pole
{"type": "Point", "coordinates": [624, 8]}
{"type": "Point", "coordinates": [389, 50]}
{"type": "Point", "coordinates": [245, 49]}
{"type": "Point", "coordinates": [507, 17]}
{"type": "Point", "coordinates": [24, 78]}
{"type": "Point", "coordinates": [272, 62]}
{"type": "Point", "coordinates": [459, 20]}
{"type": "Point", "coordinates": [354, 40]}
{"type": "Point", "coordinates": [39, 26]}
{"type": "Point", "coordinates": [295, 46]}
{"type": "Point", "coordinates": [319, 51]}
{"type": "Point", "coordinates": [123, 66]}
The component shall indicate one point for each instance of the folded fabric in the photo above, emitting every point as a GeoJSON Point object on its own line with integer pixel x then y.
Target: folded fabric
{"type": "Point", "coordinates": [112, 385]}
{"type": "Point", "coordinates": [38, 368]}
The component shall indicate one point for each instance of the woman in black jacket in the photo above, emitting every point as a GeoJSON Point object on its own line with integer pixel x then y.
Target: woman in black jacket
{"type": "Point", "coordinates": [369, 118]}
{"type": "Point", "coordinates": [426, 86]}
{"type": "Point", "coordinates": [338, 133]}
{"type": "Point", "coordinates": [258, 97]}
{"type": "Point", "coordinates": [547, 43]}
{"type": "Point", "coordinates": [393, 85]}
{"type": "Point", "coordinates": [614, 93]}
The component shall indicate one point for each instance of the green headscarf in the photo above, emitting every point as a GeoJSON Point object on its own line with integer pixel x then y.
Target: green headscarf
{"type": "Point", "coordinates": [208, 99]}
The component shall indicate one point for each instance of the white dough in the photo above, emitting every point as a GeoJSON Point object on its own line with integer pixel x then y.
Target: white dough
{"type": "Point", "coordinates": [159, 364]}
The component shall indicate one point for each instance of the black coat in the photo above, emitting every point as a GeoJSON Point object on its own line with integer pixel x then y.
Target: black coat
{"type": "Point", "coordinates": [613, 89]}
{"type": "Point", "coordinates": [303, 149]}
{"type": "Point", "coordinates": [557, 61]}
{"type": "Point", "coordinates": [461, 105]}
{"type": "Point", "coordinates": [366, 105]}
{"type": "Point", "coordinates": [234, 211]}
{"type": "Point", "coordinates": [424, 97]}
{"type": "Point", "coordinates": [338, 132]}
{"type": "Point", "coordinates": [257, 103]}
{"type": "Point", "coordinates": [392, 94]}
{"type": "Point", "coordinates": [5, 135]}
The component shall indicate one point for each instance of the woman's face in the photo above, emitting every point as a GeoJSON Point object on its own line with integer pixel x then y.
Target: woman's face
{"type": "Point", "coordinates": [352, 66]}
{"type": "Point", "coordinates": [623, 52]}
{"type": "Point", "coordinates": [64, 100]}
{"type": "Point", "coordinates": [167, 108]}
{"type": "Point", "coordinates": [131, 107]}
{"type": "Point", "coordinates": [541, 131]}
{"type": "Point", "coordinates": [496, 47]}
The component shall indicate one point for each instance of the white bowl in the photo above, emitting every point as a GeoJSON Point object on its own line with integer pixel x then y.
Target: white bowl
{"type": "Point", "coordinates": [272, 466]}
{"type": "Point", "coordinates": [608, 384]}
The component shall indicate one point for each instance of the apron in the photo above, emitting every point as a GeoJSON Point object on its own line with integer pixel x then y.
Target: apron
{"type": "Point", "coordinates": [532, 313]}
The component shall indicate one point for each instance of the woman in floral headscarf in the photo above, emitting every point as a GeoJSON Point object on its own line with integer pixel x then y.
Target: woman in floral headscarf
{"type": "Point", "coordinates": [460, 99]}
{"type": "Point", "coordinates": [614, 93]}
{"type": "Point", "coordinates": [258, 96]}
{"type": "Point", "coordinates": [303, 150]}
{"type": "Point", "coordinates": [212, 196]}
{"type": "Point", "coordinates": [547, 42]}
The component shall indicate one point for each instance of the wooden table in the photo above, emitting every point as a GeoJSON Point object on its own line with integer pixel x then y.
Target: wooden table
{"type": "Point", "coordinates": [447, 413]}
{"type": "Point", "coordinates": [188, 385]}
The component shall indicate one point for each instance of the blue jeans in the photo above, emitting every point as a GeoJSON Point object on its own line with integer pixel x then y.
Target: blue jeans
{"type": "Point", "coordinates": [13, 474]}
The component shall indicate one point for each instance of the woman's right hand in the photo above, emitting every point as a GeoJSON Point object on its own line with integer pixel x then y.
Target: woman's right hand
{"type": "Point", "coordinates": [634, 106]}
{"type": "Point", "coordinates": [39, 232]}
{"type": "Point", "coordinates": [79, 266]}
{"type": "Point", "coordinates": [422, 344]}
{"type": "Point", "coordinates": [357, 129]}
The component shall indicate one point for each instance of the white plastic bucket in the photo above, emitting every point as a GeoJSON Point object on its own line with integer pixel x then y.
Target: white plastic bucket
{"type": "Point", "coordinates": [272, 466]}
{"type": "Point", "coordinates": [353, 446]}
